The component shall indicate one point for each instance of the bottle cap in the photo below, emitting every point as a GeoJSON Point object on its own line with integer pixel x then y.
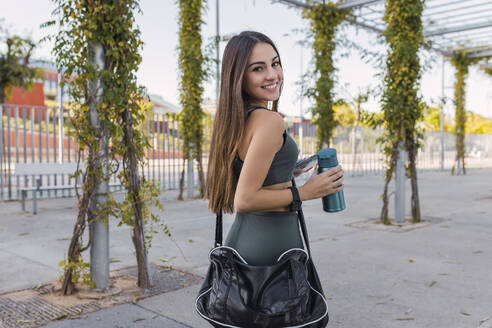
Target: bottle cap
{"type": "Point", "coordinates": [327, 157]}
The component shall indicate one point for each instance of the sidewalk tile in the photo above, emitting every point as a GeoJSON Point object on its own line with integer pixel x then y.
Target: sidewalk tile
{"type": "Point", "coordinates": [122, 316]}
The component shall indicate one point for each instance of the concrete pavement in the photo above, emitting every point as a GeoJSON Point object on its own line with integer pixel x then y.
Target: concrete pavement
{"type": "Point", "coordinates": [436, 274]}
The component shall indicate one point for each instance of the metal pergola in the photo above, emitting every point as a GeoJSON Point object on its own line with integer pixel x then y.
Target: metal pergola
{"type": "Point", "coordinates": [449, 25]}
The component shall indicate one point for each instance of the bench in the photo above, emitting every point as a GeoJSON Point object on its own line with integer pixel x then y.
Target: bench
{"type": "Point", "coordinates": [36, 170]}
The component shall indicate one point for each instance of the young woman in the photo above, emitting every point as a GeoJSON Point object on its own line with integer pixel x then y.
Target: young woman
{"type": "Point", "coordinates": [252, 158]}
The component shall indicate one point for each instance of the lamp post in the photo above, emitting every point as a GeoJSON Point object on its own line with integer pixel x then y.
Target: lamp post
{"type": "Point", "coordinates": [441, 121]}
{"type": "Point", "coordinates": [301, 119]}
{"type": "Point", "coordinates": [60, 117]}
{"type": "Point", "coordinates": [301, 115]}
{"type": "Point", "coordinates": [60, 104]}
{"type": "Point", "coordinates": [217, 49]}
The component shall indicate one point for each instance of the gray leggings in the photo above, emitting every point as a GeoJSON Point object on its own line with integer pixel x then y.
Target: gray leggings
{"type": "Point", "coordinates": [261, 237]}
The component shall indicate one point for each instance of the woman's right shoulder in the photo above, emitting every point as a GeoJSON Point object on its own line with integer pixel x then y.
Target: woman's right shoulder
{"type": "Point", "coordinates": [266, 120]}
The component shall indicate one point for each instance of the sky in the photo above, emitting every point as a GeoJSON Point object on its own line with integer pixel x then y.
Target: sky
{"type": "Point", "coordinates": [158, 71]}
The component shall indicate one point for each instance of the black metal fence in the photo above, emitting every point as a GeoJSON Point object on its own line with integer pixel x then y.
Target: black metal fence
{"type": "Point", "coordinates": [31, 134]}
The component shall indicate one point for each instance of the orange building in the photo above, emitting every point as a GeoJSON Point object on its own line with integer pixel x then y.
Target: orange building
{"type": "Point", "coordinates": [42, 90]}
{"type": "Point", "coordinates": [21, 96]}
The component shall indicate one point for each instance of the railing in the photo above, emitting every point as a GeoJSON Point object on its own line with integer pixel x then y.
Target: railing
{"type": "Point", "coordinates": [360, 154]}
{"type": "Point", "coordinates": [32, 135]}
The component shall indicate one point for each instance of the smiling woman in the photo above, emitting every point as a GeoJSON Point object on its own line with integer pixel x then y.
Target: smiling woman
{"type": "Point", "coordinates": [250, 170]}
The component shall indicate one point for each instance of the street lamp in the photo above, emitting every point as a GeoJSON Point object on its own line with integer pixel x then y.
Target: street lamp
{"type": "Point", "coordinates": [217, 45]}
{"type": "Point", "coordinates": [301, 118]}
{"type": "Point", "coordinates": [218, 39]}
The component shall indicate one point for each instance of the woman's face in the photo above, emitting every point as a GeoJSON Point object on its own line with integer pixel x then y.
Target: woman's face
{"type": "Point", "coordinates": [264, 75]}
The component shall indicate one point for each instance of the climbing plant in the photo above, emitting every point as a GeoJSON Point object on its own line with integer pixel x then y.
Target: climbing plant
{"type": "Point", "coordinates": [14, 64]}
{"type": "Point", "coordinates": [461, 62]}
{"type": "Point", "coordinates": [14, 68]}
{"type": "Point", "coordinates": [401, 103]}
{"type": "Point", "coordinates": [324, 18]}
{"type": "Point", "coordinates": [112, 90]}
{"type": "Point", "coordinates": [192, 75]}
{"type": "Point", "coordinates": [488, 70]}
{"type": "Point", "coordinates": [356, 101]}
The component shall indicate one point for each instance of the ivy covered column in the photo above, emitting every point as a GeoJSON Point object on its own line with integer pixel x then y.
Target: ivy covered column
{"type": "Point", "coordinates": [401, 103]}
{"type": "Point", "coordinates": [116, 99]}
{"type": "Point", "coordinates": [461, 63]}
{"type": "Point", "coordinates": [325, 18]}
{"type": "Point", "coordinates": [192, 75]}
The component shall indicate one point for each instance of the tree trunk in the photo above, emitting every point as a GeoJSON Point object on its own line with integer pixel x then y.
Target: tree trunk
{"type": "Point", "coordinates": [181, 181]}
{"type": "Point", "coordinates": [138, 237]}
{"type": "Point", "coordinates": [461, 153]}
{"type": "Point", "coordinates": [68, 286]}
{"type": "Point", "coordinates": [384, 217]}
{"type": "Point", "coordinates": [384, 211]}
{"type": "Point", "coordinates": [416, 217]}
{"type": "Point", "coordinates": [460, 115]}
{"type": "Point", "coordinates": [75, 247]}
{"type": "Point", "coordinates": [354, 137]}
{"type": "Point", "coordinates": [201, 175]}
{"type": "Point", "coordinates": [459, 163]}
{"type": "Point", "coordinates": [134, 183]}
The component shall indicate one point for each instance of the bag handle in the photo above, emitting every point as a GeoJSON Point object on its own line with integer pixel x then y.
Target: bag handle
{"type": "Point", "coordinates": [300, 216]}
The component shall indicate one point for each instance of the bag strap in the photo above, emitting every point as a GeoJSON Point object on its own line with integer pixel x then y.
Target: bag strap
{"type": "Point", "coordinates": [302, 223]}
{"type": "Point", "coordinates": [300, 216]}
{"type": "Point", "coordinates": [218, 229]}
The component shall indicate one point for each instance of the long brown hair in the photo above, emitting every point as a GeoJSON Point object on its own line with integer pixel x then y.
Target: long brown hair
{"type": "Point", "coordinates": [230, 120]}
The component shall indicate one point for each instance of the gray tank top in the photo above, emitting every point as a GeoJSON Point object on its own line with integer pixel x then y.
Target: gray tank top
{"type": "Point", "coordinates": [282, 165]}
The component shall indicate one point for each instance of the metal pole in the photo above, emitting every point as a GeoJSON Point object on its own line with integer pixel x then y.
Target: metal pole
{"type": "Point", "coordinates": [60, 106]}
{"type": "Point", "coordinates": [100, 231]}
{"type": "Point", "coordinates": [60, 118]}
{"type": "Point", "coordinates": [441, 123]}
{"type": "Point", "coordinates": [190, 179]}
{"type": "Point", "coordinates": [1, 151]}
{"type": "Point", "coordinates": [400, 185]}
{"type": "Point", "coordinates": [217, 46]}
{"type": "Point", "coordinates": [9, 159]}
{"type": "Point", "coordinates": [300, 111]}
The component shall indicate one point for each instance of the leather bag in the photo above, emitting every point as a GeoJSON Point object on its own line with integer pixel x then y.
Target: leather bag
{"type": "Point", "coordinates": [285, 294]}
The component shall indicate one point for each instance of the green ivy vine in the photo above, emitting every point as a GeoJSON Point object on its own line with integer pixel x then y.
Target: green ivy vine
{"type": "Point", "coordinates": [192, 74]}
{"type": "Point", "coordinates": [461, 62]}
{"type": "Point", "coordinates": [110, 24]}
{"type": "Point", "coordinates": [325, 19]}
{"type": "Point", "coordinates": [488, 70]}
{"type": "Point", "coordinates": [401, 103]}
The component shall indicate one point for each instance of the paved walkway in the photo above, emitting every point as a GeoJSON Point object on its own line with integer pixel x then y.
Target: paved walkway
{"type": "Point", "coordinates": [435, 274]}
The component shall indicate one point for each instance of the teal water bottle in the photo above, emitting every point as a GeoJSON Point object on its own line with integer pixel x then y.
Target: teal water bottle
{"type": "Point", "coordinates": [327, 158]}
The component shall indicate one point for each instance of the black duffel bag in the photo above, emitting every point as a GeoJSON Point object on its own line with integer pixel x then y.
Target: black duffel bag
{"type": "Point", "coordinates": [285, 294]}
